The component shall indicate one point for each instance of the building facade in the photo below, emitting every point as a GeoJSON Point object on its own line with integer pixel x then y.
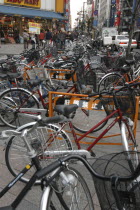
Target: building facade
{"type": "Point", "coordinates": [17, 14]}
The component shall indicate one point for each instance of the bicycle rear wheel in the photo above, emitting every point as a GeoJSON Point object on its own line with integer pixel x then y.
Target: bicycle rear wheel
{"type": "Point", "coordinates": [83, 119]}
{"type": "Point", "coordinates": [43, 139]}
{"type": "Point", "coordinates": [75, 194]}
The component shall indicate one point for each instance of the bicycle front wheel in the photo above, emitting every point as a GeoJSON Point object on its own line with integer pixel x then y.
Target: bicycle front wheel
{"type": "Point", "coordinates": [11, 102]}
{"type": "Point", "coordinates": [44, 139]}
{"type": "Point", "coordinates": [109, 81]}
{"type": "Point", "coordinates": [72, 195]}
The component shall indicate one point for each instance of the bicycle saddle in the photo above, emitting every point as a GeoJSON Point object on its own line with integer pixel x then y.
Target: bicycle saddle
{"type": "Point", "coordinates": [125, 69]}
{"type": "Point", "coordinates": [3, 76]}
{"type": "Point", "coordinates": [129, 62]}
{"type": "Point", "coordinates": [2, 61]}
{"type": "Point", "coordinates": [65, 110]}
{"type": "Point", "coordinates": [34, 82]}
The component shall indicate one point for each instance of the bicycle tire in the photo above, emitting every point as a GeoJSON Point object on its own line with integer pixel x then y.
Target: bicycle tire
{"type": "Point", "coordinates": [10, 115]}
{"type": "Point", "coordinates": [115, 164]}
{"type": "Point", "coordinates": [83, 120]}
{"type": "Point", "coordinates": [70, 196]}
{"type": "Point", "coordinates": [128, 138]}
{"type": "Point", "coordinates": [41, 139]}
{"type": "Point", "coordinates": [110, 80]}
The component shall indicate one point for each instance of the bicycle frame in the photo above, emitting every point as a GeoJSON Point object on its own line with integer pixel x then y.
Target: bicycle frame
{"type": "Point", "coordinates": [77, 140]}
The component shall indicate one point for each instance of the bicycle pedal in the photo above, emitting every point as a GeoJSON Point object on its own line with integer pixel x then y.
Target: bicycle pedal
{"type": "Point", "coordinates": [92, 153]}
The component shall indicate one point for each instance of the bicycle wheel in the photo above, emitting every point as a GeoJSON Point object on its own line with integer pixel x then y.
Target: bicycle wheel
{"type": "Point", "coordinates": [110, 80]}
{"type": "Point", "coordinates": [128, 192]}
{"type": "Point", "coordinates": [44, 139]}
{"type": "Point", "coordinates": [75, 194]}
{"type": "Point", "coordinates": [129, 143]}
{"type": "Point", "coordinates": [83, 120]}
{"type": "Point", "coordinates": [11, 102]}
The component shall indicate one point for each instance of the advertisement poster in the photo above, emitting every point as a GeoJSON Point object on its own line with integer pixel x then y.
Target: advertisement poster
{"type": "Point", "coordinates": [34, 28]}
{"type": "Point", "coordinates": [27, 3]}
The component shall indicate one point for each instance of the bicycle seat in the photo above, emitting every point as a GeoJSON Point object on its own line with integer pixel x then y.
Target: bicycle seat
{"type": "Point", "coordinates": [13, 75]}
{"type": "Point", "coordinates": [7, 208]}
{"type": "Point", "coordinates": [34, 82]}
{"type": "Point", "coordinates": [58, 63]}
{"type": "Point", "coordinates": [3, 61]}
{"type": "Point", "coordinates": [3, 76]}
{"type": "Point", "coordinates": [129, 62]}
{"type": "Point", "coordinates": [65, 110]}
{"type": "Point", "coordinates": [125, 69]}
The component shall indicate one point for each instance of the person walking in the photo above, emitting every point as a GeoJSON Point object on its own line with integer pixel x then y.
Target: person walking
{"type": "Point", "coordinates": [61, 38]}
{"type": "Point", "coordinates": [55, 39]}
{"type": "Point", "coordinates": [33, 41]}
{"type": "Point", "coordinates": [16, 35]}
{"type": "Point", "coordinates": [48, 37]}
{"type": "Point", "coordinates": [26, 39]}
{"type": "Point", "coordinates": [41, 37]}
{"type": "Point", "coordinates": [68, 39]}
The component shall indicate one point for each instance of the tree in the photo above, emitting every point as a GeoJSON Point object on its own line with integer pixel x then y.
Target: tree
{"type": "Point", "coordinates": [135, 14]}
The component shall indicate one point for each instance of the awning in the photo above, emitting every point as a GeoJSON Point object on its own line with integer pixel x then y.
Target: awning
{"type": "Point", "coordinates": [26, 12]}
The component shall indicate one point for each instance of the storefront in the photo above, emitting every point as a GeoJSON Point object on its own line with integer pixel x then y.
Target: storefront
{"type": "Point", "coordinates": [15, 16]}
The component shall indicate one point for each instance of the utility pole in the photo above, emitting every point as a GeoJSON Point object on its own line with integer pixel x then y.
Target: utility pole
{"type": "Point", "coordinates": [84, 15]}
{"type": "Point", "coordinates": [134, 16]}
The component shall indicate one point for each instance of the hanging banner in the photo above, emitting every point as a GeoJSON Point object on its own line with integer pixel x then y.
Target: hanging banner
{"type": "Point", "coordinates": [29, 3]}
{"type": "Point", "coordinates": [34, 28]}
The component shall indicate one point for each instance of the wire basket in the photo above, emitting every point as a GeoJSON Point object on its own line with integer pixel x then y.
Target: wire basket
{"type": "Point", "coordinates": [119, 164]}
{"type": "Point", "coordinates": [36, 73]}
{"type": "Point", "coordinates": [125, 100]}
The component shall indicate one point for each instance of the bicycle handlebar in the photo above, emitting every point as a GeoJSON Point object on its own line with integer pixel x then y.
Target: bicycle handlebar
{"type": "Point", "coordinates": [115, 89]}
{"type": "Point", "coordinates": [61, 162]}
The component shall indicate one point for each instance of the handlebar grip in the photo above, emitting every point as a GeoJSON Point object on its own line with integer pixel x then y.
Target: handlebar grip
{"type": "Point", "coordinates": [93, 94]}
{"type": "Point", "coordinates": [40, 174]}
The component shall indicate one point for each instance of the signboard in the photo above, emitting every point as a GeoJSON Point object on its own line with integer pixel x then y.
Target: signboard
{"type": "Point", "coordinates": [29, 3]}
{"type": "Point", "coordinates": [34, 28]}
{"type": "Point", "coordinates": [96, 12]}
{"type": "Point", "coordinates": [89, 2]}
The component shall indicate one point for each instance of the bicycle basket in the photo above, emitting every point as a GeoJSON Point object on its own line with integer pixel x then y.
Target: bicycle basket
{"type": "Point", "coordinates": [119, 164]}
{"type": "Point", "coordinates": [125, 100]}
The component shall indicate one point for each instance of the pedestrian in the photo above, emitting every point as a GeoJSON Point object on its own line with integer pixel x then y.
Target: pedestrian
{"type": "Point", "coordinates": [16, 35]}
{"type": "Point", "coordinates": [41, 37]}
{"type": "Point", "coordinates": [33, 41]}
{"type": "Point", "coordinates": [48, 37]}
{"type": "Point", "coordinates": [67, 39]}
{"type": "Point", "coordinates": [26, 39]}
{"type": "Point", "coordinates": [36, 40]}
{"type": "Point", "coordinates": [61, 38]}
{"type": "Point", "coordinates": [55, 38]}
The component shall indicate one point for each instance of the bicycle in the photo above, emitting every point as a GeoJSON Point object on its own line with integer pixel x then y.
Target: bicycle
{"type": "Point", "coordinates": [69, 187]}
{"type": "Point", "coordinates": [117, 187]}
{"type": "Point", "coordinates": [55, 135]}
{"type": "Point", "coordinates": [128, 73]}
{"type": "Point", "coordinates": [16, 102]}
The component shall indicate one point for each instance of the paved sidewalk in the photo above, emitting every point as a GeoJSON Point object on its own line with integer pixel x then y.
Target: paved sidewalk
{"type": "Point", "coordinates": [12, 49]}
